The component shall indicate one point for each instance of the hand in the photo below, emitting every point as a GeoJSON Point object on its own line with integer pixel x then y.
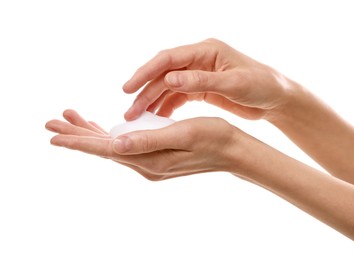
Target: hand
{"type": "Point", "coordinates": [211, 71]}
{"type": "Point", "coordinates": [186, 147]}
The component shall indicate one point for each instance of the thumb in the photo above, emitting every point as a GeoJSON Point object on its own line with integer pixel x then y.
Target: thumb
{"type": "Point", "coordinates": [146, 141]}
{"type": "Point", "coordinates": [192, 81]}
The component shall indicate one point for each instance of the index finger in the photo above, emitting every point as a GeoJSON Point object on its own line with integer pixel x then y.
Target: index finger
{"type": "Point", "coordinates": [163, 62]}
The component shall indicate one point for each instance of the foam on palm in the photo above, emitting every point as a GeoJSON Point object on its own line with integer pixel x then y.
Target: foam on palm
{"type": "Point", "coordinates": [147, 121]}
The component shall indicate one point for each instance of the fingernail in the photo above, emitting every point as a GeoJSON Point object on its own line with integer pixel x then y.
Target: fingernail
{"type": "Point", "coordinates": [174, 80]}
{"type": "Point", "coordinates": [122, 144]}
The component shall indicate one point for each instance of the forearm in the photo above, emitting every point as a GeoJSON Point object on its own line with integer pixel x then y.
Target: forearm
{"type": "Point", "coordinates": [318, 131]}
{"type": "Point", "coordinates": [325, 197]}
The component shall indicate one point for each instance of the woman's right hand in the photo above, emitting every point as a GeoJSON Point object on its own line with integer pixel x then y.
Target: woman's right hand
{"type": "Point", "coordinates": [211, 71]}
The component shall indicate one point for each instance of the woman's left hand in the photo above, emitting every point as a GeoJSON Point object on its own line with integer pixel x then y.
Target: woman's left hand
{"type": "Point", "coordinates": [183, 148]}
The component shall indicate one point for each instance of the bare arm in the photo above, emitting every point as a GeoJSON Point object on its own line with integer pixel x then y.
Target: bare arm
{"type": "Point", "coordinates": [325, 197]}
{"type": "Point", "coordinates": [318, 130]}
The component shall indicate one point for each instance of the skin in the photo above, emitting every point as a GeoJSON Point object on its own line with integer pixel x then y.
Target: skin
{"type": "Point", "coordinates": [216, 73]}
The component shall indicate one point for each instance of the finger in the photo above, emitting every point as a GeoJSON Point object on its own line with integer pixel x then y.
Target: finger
{"type": "Point", "coordinates": [65, 128]}
{"type": "Point", "coordinates": [74, 118]}
{"type": "Point", "coordinates": [142, 142]}
{"type": "Point", "coordinates": [97, 146]}
{"type": "Point", "coordinates": [174, 100]}
{"type": "Point", "coordinates": [164, 61]}
{"type": "Point", "coordinates": [171, 103]}
{"type": "Point", "coordinates": [226, 83]}
{"type": "Point", "coordinates": [155, 106]}
{"type": "Point", "coordinates": [88, 144]}
{"type": "Point", "coordinates": [94, 124]}
{"type": "Point", "coordinates": [147, 96]}
{"type": "Point", "coordinates": [229, 84]}
{"type": "Point", "coordinates": [149, 165]}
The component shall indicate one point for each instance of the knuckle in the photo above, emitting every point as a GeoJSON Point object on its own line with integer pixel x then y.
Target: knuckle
{"type": "Point", "coordinates": [199, 79]}
{"type": "Point", "coordinates": [166, 56]}
{"type": "Point", "coordinates": [162, 52]}
{"type": "Point", "coordinates": [143, 99]}
{"type": "Point", "coordinates": [215, 42]}
{"type": "Point", "coordinates": [145, 143]}
{"type": "Point", "coordinates": [143, 70]}
{"type": "Point", "coordinates": [148, 143]}
{"type": "Point", "coordinates": [211, 40]}
{"type": "Point", "coordinates": [107, 151]}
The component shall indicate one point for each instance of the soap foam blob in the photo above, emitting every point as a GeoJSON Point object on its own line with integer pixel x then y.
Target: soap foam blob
{"type": "Point", "coordinates": [147, 121]}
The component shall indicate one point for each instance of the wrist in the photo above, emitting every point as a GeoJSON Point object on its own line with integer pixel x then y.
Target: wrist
{"type": "Point", "coordinates": [294, 102]}
{"type": "Point", "coordinates": [257, 162]}
{"type": "Point", "coordinates": [241, 155]}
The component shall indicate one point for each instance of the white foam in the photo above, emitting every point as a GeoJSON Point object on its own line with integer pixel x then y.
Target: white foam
{"type": "Point", "coordinates": [147, 121]}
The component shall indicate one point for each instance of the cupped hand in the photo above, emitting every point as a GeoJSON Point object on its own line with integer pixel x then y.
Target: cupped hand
{"type": "Point", "coordinates": [186, 147]}
{"type": "Point", "coordinates": [211, 71]}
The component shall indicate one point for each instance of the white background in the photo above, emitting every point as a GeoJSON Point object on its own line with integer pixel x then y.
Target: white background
{"type": "Point", "coordinates": [61, 204]}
